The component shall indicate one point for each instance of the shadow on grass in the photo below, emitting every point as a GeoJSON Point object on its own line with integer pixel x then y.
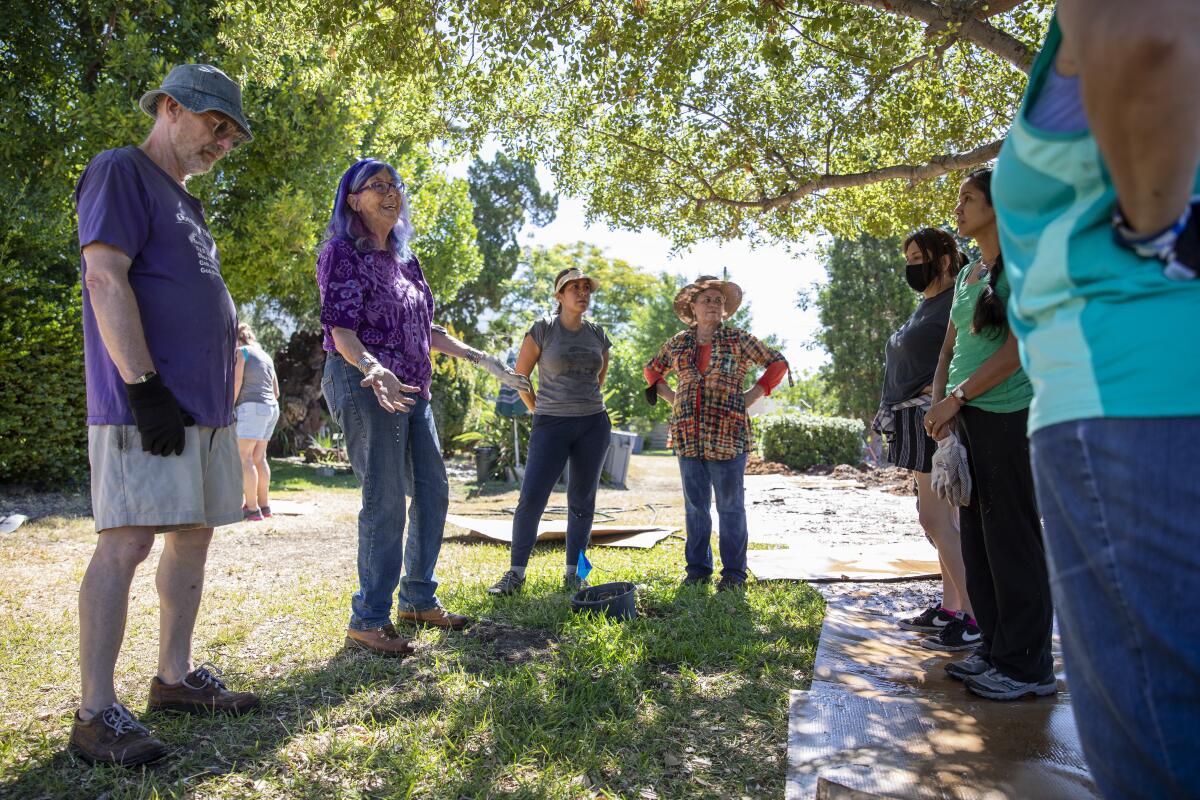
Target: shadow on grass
{"type": "Point", "coordinates": [692, 694]}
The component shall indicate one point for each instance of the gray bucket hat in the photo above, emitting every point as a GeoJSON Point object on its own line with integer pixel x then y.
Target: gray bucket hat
{"type": "Point", "coordinates": [200, 88]}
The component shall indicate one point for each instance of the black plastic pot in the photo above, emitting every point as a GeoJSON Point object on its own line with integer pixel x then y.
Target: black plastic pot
{"type": "Point", "coordinates": [486, 458]}
{"type": "Point", "coordinates": [613, 600]}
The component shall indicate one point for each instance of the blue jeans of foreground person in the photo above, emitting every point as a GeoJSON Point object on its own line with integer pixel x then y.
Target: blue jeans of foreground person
{"type": "Point", "coordinates": [700, 478]}
{"type": "Point", "coordinates": [554, 443]}
{"type": "Point", "coordinates": [379, 445]}
{"type": "Point", "coordinates": [1120, 499]}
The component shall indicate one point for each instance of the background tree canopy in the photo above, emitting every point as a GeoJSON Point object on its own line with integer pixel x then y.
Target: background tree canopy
{"type": "Point", "coordinates": [702, 119]}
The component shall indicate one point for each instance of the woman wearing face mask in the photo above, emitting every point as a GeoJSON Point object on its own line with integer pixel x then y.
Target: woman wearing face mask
{"type": "Point", "coordinates": [570, 425]}
{"type": "Point", "coordinates": [982, 390]}
{"type": "Point", "coordinates": [933, 261]}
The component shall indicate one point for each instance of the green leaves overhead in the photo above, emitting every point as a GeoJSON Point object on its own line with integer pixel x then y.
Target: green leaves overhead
{"type": "Point", "coordinates": [705, 118]}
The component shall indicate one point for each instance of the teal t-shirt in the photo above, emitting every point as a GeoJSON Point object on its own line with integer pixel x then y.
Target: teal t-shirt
{"type": "Point", "coordinates": [972, 349]}
{"type": "Point", "coordinates": [1103, 333]}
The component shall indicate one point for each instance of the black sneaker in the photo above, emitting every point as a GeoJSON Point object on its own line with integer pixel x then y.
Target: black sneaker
{"type": "Point", "coordinates": [730, 584]}
{"type": "Point", "coordinates": [573, 583]}
{"type": "Point", "coordinates": [511, 583]}
{"type": "Point", "coordinates": [696, 580]}
{"type": "Point", "coordinates": [972, 665]}
{"type": "Point", "coordinates": [931, 620]}
{"type": "Point", "coordinates": [958, 635]}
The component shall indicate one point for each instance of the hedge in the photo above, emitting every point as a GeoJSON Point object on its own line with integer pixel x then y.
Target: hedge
{"type": "Point", "coordinates": [43, 411]}
{"type": "Point", "coordinates": [803, 440]}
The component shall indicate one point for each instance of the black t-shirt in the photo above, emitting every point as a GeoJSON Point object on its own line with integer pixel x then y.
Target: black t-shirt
{"type": "Point", "coordinates": [912, 351]}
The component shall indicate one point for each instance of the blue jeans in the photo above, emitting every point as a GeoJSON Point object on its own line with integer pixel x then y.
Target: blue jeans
{"type": "Point", "coordinates": [381, 447]}
{"type": "Point", "coordinates": [555, 442]}
{"type": "Point", "coordinates": [1120, 499]}
{"type": "Point", "coordinates": [700, 478]}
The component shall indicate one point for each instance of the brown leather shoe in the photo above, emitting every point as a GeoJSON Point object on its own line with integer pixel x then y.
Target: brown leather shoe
{"type": "Point", "coordinates": [384, 641]}
{"type": "Point", "coordinates": [114, 737]}
{"type": "Point", "coordinates": [436, 617]}
{"type": "Point", "coordinates": [200, 692]}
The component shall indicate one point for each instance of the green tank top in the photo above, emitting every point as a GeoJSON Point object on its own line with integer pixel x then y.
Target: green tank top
{"type": "Point", "coordinates": [1103, 333]}
{"type": "Point", "coordinates": [972, 349]}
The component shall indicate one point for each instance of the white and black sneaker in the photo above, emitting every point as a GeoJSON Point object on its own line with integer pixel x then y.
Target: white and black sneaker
{"type": "Point", "coordinates": [995, 685]}
{"type": "Point", "coordinates": [972, 665]}
{"type": "Point", "coordinates": [961, 634]}
{"type": "Point", "coordinates": [932, 620]}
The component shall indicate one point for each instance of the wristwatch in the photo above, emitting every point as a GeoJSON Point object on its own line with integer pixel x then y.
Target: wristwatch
{"type": "Point", "coordinates": [145, 377]}
{"type": "Point", "coordinates": [959, 393]}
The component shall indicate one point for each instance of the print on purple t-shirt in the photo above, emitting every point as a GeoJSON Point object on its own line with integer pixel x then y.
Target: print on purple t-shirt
{"type": "Point", "coordinates": [386, 302]}
{"type": "Point", "coordinates": [127, 201]}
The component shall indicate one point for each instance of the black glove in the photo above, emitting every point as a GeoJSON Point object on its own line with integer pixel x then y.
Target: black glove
{"type": "Point", "coordinates": [1177, 247]}
{"type": "Point", "coordinates": [652, 394]}
{"type": "Point", "coordinates": [158, 417]}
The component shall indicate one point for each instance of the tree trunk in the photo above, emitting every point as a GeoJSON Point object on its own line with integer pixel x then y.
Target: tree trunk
{"type": "Point", "coordinates": [299, 367]}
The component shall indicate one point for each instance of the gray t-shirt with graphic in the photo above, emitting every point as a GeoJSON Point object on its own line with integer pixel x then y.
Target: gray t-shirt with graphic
{"type": "Point", "coordinates": [569, 367]}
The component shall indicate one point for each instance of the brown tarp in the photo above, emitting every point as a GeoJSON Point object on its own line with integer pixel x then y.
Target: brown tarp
{"type": "Point", "coordinates": [910, 560]}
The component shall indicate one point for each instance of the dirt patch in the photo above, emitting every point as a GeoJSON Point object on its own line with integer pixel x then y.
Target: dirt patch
{"type": "Point", "coordinates": [755, 465]}
{"type": "Point", "coordinates": [511, 644]}
{"type": "Point", "coordinates": [36, 505]}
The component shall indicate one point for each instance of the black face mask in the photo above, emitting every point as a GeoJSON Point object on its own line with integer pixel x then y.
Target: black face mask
{"type": "Point", "coordinates": [918, 276]}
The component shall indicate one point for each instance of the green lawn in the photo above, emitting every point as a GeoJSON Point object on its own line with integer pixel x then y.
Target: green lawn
{"type": "Point", "coordinates": [689, 700]}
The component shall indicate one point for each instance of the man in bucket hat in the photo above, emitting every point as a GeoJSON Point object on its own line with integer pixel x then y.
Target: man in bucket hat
{"type": "Point", "coordinates": [159, 332]}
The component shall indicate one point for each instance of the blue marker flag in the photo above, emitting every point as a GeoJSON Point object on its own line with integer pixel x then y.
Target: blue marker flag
{"type": "Point", "coordinates": [584, 567]}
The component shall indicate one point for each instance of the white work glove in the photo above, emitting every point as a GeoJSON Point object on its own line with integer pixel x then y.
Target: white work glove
{"type": "Point", "coordinates": [501, 372]}
{"type": "Point", "coordinates": [951, 478]}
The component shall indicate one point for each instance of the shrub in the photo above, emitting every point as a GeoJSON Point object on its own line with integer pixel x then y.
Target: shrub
{"type": "Point", "coordinates": [803, 440]}
{"type": "Point", "coordinates": [43, 411]}
{"type": "Point", "coordinates": [452, 391]}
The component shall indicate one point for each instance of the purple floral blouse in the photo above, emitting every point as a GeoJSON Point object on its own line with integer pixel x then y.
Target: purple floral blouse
{"type": "Point", "coordinates": [385, 301]}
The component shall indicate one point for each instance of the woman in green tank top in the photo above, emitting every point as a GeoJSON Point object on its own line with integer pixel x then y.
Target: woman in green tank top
{"type": "Point", "coordinates": [980, 390]}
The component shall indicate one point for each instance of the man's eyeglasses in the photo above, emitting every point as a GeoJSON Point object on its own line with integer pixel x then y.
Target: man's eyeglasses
{"type": "Point", "coordinates": [383, 188]}
{"type": "Point", "coordinates": [225, 129]}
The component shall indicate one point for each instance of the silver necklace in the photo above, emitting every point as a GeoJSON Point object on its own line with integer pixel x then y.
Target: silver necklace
{"type": "Point", "coordinates": [985, 269]}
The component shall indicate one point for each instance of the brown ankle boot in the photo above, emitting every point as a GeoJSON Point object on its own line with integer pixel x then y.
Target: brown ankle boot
{"type": "Point", "coordinates": [113, 736]}
{"type": "Point", "coordinates": [200, 692]}
{"type": "Point", "coordinates": [384, 641]}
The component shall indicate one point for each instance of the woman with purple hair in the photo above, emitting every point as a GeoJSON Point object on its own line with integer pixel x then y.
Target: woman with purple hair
{"type": "Point", "coordinates": [377, 315]}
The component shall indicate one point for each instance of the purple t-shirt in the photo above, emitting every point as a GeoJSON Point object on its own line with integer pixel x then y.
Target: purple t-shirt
{"type": "Point", "coordinates": [382, 299]}
{"type": "Point", "coordinates": [127, 201]}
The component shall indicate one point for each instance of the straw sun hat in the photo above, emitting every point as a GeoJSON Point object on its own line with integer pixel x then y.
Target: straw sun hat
{"type": "Point", "coordinates": [683, 300]}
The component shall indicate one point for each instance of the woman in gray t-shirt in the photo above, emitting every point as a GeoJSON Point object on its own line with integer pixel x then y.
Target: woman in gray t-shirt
{"type": "Point", "coordinates": [256, 392]}
{"type": "Point", "coordinates": [570, 425]}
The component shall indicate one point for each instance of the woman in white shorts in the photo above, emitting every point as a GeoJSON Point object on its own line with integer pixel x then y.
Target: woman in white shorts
{"type": "Point", "coordinates": [257, 410]}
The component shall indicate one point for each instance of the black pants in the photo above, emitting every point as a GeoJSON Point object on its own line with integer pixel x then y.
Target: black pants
{"type": "Point", "coordinates": [1002, 546]}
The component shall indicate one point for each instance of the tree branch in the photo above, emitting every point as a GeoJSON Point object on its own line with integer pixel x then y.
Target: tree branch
{"type": "Point", "coordinates": [971, 27]}
{"type": "Point", "coordinates": [936, 167]}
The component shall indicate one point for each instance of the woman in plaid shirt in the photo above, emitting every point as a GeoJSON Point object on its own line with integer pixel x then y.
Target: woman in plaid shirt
{"type": "Point", "coordinates": [710, 429]}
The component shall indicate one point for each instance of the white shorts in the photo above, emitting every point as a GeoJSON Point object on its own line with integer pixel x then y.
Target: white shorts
{"type": "Point", "coordinates": [202, 488]}
{"type": "Point", "coordinates": [256, 420]}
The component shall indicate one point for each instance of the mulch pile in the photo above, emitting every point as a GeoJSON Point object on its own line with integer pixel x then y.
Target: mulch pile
{"type": "Point", "coordinates": [892, 480]}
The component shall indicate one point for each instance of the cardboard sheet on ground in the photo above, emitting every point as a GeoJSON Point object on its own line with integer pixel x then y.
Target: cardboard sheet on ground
{"type": "Point", "coordinates": [812, 562]}
{"type": "Point", "coordinates": [883, 719]}
{"type": "Point", "coordinates": [292, 508]}
{"type": "Point", "coordinates": [499, 529]}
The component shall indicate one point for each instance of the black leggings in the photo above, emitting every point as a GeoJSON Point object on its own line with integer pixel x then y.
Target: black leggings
{"type": "Point", "coordinates": [1002, 546]}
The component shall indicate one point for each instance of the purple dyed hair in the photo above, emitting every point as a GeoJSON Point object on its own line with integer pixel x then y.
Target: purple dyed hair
{"type": "Point", "coordinates": [347, 224]}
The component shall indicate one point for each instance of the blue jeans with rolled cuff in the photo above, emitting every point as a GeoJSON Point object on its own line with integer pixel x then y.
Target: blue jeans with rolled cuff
{"type": "Point", "coordinates": [701, 478]}
{"type": "Point", "coordinates": [382, 446]}
{"type": "Point", "coordinates": [555, 442]}
{"type": "Point", "coordinates": [1121, 503]}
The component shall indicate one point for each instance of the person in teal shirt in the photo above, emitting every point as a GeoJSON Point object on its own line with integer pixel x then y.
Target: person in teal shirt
{"type": "Point", "coordinates": [980, 389]}
{"type": "Point", "coordinates": [1096, 192]}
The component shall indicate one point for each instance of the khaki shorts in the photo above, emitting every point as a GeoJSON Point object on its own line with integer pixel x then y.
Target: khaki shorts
{"type": "Point", "coordinates": [202, 488]}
